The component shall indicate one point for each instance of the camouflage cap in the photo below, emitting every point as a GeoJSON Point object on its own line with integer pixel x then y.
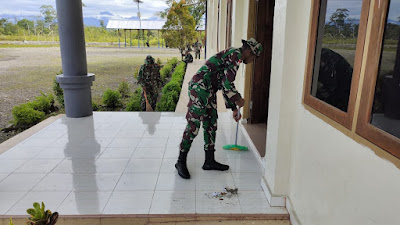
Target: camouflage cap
{"type": "Point", "coordinates": [256, 48]}
{"type": "Point", "coordinates": [149, 60]}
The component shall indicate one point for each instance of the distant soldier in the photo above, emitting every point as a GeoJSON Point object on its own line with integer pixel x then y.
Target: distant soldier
{"type": "Point", "coordinates": [188, 58]}
{"type": "Point", "coordinates": [218, 73]}
{"type": "Point", "coordinates": [197, 49]}
{"type": "Point", "coordinates": [150, 80]}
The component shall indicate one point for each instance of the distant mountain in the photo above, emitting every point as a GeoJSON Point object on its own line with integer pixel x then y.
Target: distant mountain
{"type": "Point", "coordinates": [106, 13]}
{"type": "Point", "coordinates": [11, 18]}
{"type": "Point", "coordinates": [393, 22]}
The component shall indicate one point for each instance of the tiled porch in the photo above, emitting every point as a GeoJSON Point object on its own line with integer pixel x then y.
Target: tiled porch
{"type": "Point", "coordinates": [115, 163]}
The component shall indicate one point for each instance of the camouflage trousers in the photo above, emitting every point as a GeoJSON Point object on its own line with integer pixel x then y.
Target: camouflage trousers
{"type": "Point", "coordinates": [197, 54]}
{"type": "Point", "coordinates": [198, 113]}
{"type": "Point", "coordinates": [151, 97]}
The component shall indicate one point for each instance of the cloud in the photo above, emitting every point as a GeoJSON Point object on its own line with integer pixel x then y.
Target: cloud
{"type": "Point", "coordinates": [125, 8]}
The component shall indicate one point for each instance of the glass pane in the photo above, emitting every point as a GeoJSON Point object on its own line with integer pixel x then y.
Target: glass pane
{"type": "Point", "coordinates": [386, 108]}
{"type": "Point", "coordinates": [335, 51]}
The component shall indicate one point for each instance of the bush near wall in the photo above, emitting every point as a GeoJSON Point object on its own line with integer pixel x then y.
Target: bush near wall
{"type": "Point", "coordinates": [166, 70]}
{"type": "Point", "coordinates": [134, 102]}
{"type": "Point", "coordinates": [172, 90]}
{"type": "Point", "coordinates": [112, 99]}
{"type": "Point", "coordinates": [31, 113]}
{"type": "Point", "coordinates": [58, 91]}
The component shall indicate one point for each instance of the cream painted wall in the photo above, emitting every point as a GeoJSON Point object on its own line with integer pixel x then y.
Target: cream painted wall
{"type": "Point", "coordinates": [280, 117]}
{"type": "Point", "coordinates": [212, 17]}
{"type": "Point", "coordinates": [240, 11]}
{"type": "Point", "coordinates": [222, 25]}
{"type": "Point", "coordinates": [329, 178]}
{"type": "Point", "coordinates": [240, 15]}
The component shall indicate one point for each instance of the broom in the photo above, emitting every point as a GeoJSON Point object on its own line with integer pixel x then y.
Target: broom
{"type": "Point", "coordinates": [148, 106]}
{"type": "Point", "coordinates": [236, 147]}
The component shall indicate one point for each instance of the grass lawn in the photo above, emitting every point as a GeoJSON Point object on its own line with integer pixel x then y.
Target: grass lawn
{"type": "Point", "coordinates": [25, 72]}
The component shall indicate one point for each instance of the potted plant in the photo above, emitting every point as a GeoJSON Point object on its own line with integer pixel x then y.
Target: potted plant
{"type": "Point", "coordinates": [40, 216]}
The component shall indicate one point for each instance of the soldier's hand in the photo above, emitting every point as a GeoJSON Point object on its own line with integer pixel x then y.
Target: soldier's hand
{"type": "Point", "coordinates": [236, 115]}
{"type": "Point", "coordinates": [240, 102]}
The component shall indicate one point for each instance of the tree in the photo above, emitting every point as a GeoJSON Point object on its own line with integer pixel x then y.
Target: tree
{"type": "Point", "coordinates": [49, 14]}
{"type": "Point", "coordinates": [10, 28]}
{"type": "Point", "coordinates": [26, 24]}
{"type": "Point", "coordinates": [179, 29]}
{"type": "Point", "coordinates": [102, 24]}
{"type": "Point", "coordinates": [339, 17]}
{"type": "Point", "coordinates": [197, 8]}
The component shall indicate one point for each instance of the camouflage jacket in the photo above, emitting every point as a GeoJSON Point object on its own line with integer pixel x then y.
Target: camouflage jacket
{"type": "Point", "coordinates": [149, 76]}
{"type": "Point", "coordinates": [218, 73]}
{"type": "Point", "coordinates": [197, 46]}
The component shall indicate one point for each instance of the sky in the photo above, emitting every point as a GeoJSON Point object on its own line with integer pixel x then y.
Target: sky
{"type": "Point", "coordinates": [354, 7]}
{"type": "Point", "coordinates": [124, 8]}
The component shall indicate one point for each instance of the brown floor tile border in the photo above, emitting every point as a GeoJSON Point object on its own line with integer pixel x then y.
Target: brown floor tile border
{"type": "Point", "coordinates": [6, 145]}
{"type": "Point", "coordinates": [150, 218]}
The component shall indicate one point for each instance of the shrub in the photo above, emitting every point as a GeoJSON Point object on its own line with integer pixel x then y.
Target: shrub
{"type": "Point", "coordinates": [159, 62]}
{"type": "Point", "coordinates": [173, 61]}
{"type": "Point", "coordinates": [24, 114]}
{"type": "Point", "coordinates": [165, 72]}
{"type": "Point", "coordinates": [42, 103]}
{"type": "Point", "coordinates": [95, 106]}
{"type": "Point", "coordinates": [179, 73]}
{"type": "Point", "coordinates": [171, 86]}
{"type": "Point", "coordinates": [124, 89]}
{"type": "Point", "coordinates": [134, 102]}
{"type": "Point", "coordinates": [58, 91]}
{"type": "Point", "coordinates": [168, 101]}
{"type": "Point", "coordinates": [111, 99]}
{"type": "Point", "coordinates": [172, 90]}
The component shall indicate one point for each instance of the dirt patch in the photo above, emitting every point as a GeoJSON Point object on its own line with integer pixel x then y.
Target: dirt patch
{"type": "Point", "coordinates": [24, 72]}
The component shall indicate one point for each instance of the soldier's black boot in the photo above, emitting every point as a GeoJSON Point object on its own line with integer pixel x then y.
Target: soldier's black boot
{"type": "Point", "coordinates": [211, 164]}
{"type": "Point", "coordinates": [181, 165]}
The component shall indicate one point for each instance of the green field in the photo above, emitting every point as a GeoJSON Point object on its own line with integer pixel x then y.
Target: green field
{"type": "Point", "coordinates": [24, 72]}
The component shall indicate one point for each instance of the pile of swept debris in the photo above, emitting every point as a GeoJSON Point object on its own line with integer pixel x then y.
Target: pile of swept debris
{"type": "Point", "coordinates": [225, 193]}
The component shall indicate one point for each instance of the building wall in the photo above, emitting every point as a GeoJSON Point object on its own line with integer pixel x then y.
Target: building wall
{"type": "Point", "coordinates": [239, 31]}
{"type": "Point", "coordinates": [328, 177]}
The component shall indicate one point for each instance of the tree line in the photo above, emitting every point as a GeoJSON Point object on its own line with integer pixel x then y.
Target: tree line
{"type": "Point", "coordinates": [340, 25]}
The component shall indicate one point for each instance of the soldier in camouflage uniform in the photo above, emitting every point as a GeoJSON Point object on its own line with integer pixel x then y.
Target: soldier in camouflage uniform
{"type": "Point", "coordinates": [197, 49]}
{"type": "Point", "coordinates": [150, 80]}
{"type": "Point", "coordinates": [334, 80]}
{"type": "Point", "coordinates": [218, 73]}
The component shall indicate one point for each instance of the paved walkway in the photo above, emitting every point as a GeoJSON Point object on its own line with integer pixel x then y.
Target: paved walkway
{"type": "Point", "coordinates": [184, 98]}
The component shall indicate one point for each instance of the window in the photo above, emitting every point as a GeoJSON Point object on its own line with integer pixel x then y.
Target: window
{"type": "Point", "coordinates": [332, 56]}
{"type": "Point", "coordinates": [379, 117]}
{"type": "Point", "coordinates": [336, 45]}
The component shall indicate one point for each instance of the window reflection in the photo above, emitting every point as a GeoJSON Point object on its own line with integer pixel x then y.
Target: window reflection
{"type": "Point", "coordinates": [386, 107]}
{"type": "Point", "coordinates": [335, 51]}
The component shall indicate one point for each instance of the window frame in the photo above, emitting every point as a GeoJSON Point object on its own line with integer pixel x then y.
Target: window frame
{"type": "Point", "coordinates": [343, 118]}
{"type": "Point", "coordinates": [364, 127]}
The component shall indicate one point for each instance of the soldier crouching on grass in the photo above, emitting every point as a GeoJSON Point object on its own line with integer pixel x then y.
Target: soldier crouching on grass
{"type": "Point", "coordinates": [150, 80]}
{"type": "Point", "coordinates": [218, 73]}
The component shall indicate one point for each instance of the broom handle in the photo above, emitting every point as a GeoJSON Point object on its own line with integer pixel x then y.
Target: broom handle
{"type": "Point", "coordinates": [237, 127]}
{"type": "Point", "coordinates": [145, 96]}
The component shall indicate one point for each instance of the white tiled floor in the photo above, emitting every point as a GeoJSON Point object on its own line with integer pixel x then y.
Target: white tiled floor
{"type": "Point", "coordinates": [123, 163]}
